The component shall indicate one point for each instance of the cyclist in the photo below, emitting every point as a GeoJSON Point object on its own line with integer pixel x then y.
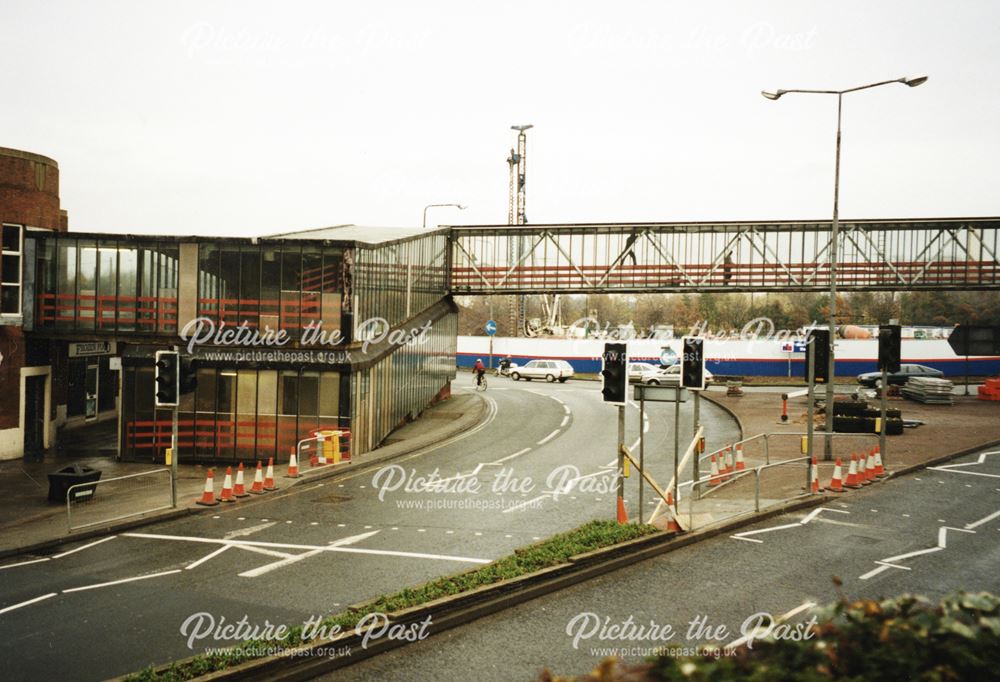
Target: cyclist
{"type": "Point", "coordinates": [480, 369]}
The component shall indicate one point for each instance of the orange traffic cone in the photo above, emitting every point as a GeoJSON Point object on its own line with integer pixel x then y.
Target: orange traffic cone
{"type": "Point", "coordinates": [239, 490]}
{"type": "Point", "coordinates": [880, 471]}
{"type": "Point", "coordinates": [293, 466]}
{"type": "Point", "coordinates": [672, 525]}
{"type": "Point", "coordinates": [866, 469]}
{"type": "Point", "coordinates": [269, 476]}
{"type": "Point", "coordinates": [227, 487]}
{"type": "Point", "coordinates": [258, 481]}
{"type": "Point", "coordinates": [208, 496]}
{"type": "Point", "coordinates": [816, 487]}
{"type": "Point", "coordinates": [622, 514]}
{"type": "Point", "coordinates": [836, 485]}
{"type": "Point", "coordinates": [714, 479]}
{"type": "Point", "coordinates": [852, 473]}
{"type": "Point", "coordinates": [724, 464]}
{"type": "Point", "coordinates": [740, 464]}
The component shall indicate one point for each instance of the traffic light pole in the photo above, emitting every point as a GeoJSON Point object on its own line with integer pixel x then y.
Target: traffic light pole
{"type": "Point", "coordinates": [809, 417]}
{"type": "Point", "coordinates": [642, 450]}
{"type": "Point", "coordinates": [882, 428]}
{"type": "Point", "coordinates": [696, 473]}
{"type": "Point", "coordinates": [173, 450]}
{"type": "Point", "coordinates": [621, 457]}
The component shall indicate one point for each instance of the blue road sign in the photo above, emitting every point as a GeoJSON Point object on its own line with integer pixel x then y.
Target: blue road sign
{"type": "Point", "coordinates": [491, 327]}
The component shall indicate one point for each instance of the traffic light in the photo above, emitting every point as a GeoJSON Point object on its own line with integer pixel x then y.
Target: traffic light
{"type": "Point", "coordinates": [189, 375]}
{"type": "Point", "coordinates": [167, 378]}
{"type": "Point", "coordinates": [693, 363]}
{"type": "Point", "coordinates": [614, 372]}
{"type": "Point", "coordinates": [889, 347]}
{"type": "Point", "coordinates": [818, 347]}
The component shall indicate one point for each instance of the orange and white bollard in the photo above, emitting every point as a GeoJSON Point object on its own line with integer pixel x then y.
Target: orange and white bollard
{"type": "Point", "coordinates": [816, 487]}
{"type": "Point", "coordinates": [239, 489]}
{"type": "Point", "coordinates": [784, 408]}
{"type": "Point", "coordinates": [208, 496]}
{"type": "Point", "coordinates": [258, 481]}
{"type": "Point", "coordinates": [836, 484]}
{"type": "Point", "coordinates": [227, 487]}
{"type": "Point", "coordinates": [293, 466]}
{"type": "Point", "coordinates": [269, 476]}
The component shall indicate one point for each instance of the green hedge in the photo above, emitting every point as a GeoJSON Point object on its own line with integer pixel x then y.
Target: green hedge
{"type": "Point", "coordinates": [551, 552]}
{"type": "Point", "coordinates": [908, 638]}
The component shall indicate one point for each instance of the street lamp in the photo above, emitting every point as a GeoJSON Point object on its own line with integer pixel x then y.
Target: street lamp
{"type": "Point", "coordinates": [834, 229]}
{"type": "Point", "coordinates": [460, 207]}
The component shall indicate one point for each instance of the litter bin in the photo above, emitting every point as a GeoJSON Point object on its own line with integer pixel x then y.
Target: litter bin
{"type": "Point", "coordinates": [61, 481]}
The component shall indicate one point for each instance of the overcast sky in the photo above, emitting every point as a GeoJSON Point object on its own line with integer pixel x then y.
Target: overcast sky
{"type": "Point", "coordinates": [245, 118]}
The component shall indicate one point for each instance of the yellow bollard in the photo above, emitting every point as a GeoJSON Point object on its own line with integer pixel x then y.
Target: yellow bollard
{"type": "Point", "coordinates": [168, 457]}
{"type": "Point", "coordinates": [334, 440]}
{"type": "Point", "coordinates": [805, 445]}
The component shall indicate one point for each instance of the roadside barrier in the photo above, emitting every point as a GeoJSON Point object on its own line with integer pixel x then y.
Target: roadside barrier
{"type": "Point", "coordinates": [227, 487]}
{"type": "Point", "coordinates": [325, 446]}
{"type": "Point", "coordinates": [121, 497]}
{"type": "Point", "coordinates": [208, 495]}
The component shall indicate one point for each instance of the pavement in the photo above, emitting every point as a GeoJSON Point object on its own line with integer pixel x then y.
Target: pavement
{"type": "Point", "coordinates": [29, 522]}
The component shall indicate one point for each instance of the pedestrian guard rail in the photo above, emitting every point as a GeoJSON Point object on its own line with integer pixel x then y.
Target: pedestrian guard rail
{"type": "Point", "coordinates": [122, 497]}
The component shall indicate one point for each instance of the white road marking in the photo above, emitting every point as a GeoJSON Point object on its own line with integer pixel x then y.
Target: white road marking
{"type": "Point", "coordinates": [566, 408]}
{"type": "Point", "coordinates": [27, 603]}
{"type": "Point", "coordinates": [291, 545]}
{"type": "Point", "coordinates": [564, 422]}
{"type": "Point", "coordinates": [959, 471]}
{"type": "Point", "coordinates": [548, 438]}
{"type": "Point", "coordinates": [261, 570]}
{"type": "Point", "coordinates": [809, 517]}
{"type": "Point", "coordinates": [119, 582]}
{"type": "Point", "coordinates": [509, 457]}
{"type": "Point", "coordinates": [250, 530]}
{"type": "Point", "coordinates": [25, 563]}
{"type": "Point", "coordinates": [80, 549]}
{"type": "Point", "coordinates": [985, 519]}
{"type": "Point", "coordinates": [780, 619]}
{"type": "Point", "coordinates": [266, 552]}
{"type": "Point", "coordinates": [207, 557]}
{"type": "Point", "coordinates": [889, 562]}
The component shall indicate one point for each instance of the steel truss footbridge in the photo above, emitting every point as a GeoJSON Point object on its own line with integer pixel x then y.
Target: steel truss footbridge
{"type": "Point", "coordinates": [872, 255]}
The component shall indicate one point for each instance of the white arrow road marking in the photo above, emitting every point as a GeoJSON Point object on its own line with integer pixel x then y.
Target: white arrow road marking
{"type": "Point", "coordinates": [29, 602]}
{"type": "Point", "coordinates": [889, 562]}
{"type": "Point", "coordinates": [253, 573]}
{"type": "Point", "coordinates": [87, 546]}
{"type": "Point", "coordinates": [119, 582]}
{"type": "Point", "coordinates": [290, 545]}
{"type": "Point", "coordinates": [809, 517]}
{"type": "Point", "coordinates": [956, 468]}
{"type": "Point", "coordinates": [205, 558]}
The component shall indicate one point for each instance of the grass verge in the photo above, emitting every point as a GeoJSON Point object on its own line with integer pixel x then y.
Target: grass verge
{"type": "Point", "coordinates": [551, 552]}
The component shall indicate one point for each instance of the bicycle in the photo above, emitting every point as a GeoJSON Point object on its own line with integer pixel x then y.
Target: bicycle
{"type": "Point", "coordinates": [481, 386]}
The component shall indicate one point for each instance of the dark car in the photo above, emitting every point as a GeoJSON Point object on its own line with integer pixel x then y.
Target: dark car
{"type": "Point", "coordinates": [906, 372]}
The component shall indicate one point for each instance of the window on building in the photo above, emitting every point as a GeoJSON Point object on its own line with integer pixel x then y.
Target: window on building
{"type": "Point", "coordinates": [10, 269]}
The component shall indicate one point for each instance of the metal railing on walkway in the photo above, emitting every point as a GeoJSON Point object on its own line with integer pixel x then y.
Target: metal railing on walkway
{"type": "Point", "coordinates": [121, 497]}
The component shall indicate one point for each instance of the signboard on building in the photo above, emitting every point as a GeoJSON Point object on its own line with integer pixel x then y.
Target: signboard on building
{"type": "Point", "coordinates": [91, 348]}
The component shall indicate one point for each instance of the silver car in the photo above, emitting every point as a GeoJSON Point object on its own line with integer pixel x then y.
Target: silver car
{"type": "Point", "coordinates": [671, 376]}
{"type": "Point", "coordinates": [550, 370]}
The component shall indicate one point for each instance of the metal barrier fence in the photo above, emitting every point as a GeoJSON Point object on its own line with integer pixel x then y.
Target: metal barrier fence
{"type": "Point", "coordinates": [121, 497]}
{"type": "Point", "coordinates": [327, 446]}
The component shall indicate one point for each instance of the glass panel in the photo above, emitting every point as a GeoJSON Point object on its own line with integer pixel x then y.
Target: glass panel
{"type": "Point", "coordinates": [127, 274]}
{"type": "Point", "coordinates": [87, 285]}
{"type": "Point", "coordinates": [288, 405]}
{"type": "Point", "coordinates": [10, 270]}
{"type": "Point", "coordinates": [229, 277]}
{"type": "Point", "coordinates": [12, 238]}
{"type": "Point", "coordinates": [267, 420]}
{"type": "Point", "coordinates": [225, 415]}
{"type": "Point", "coordinates": [10, 299]}
{"type": "Point", "coordinates": [246, 413]}
{"type": "Point", "coordinates": [107, 269]}
{"type": "Point", "coordinates": [250, 284]}
{"type": "Point", "coordinates": [270, 279]}
{"type": "Point", "coordinates": [204, 405]}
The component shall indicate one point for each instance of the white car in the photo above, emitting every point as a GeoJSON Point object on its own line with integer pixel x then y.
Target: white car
{"type": "Point", "coordinates": [550, 370]}
{"type": "Point", "coordinates": [644, 373]}
{"type": "Point", "coordinates": [671, 376]}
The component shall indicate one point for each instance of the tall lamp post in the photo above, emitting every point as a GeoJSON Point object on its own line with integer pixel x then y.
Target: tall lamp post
{"type": "Point", "coordinates": [460, 207]}
{"type": "Point", "coordinates": [911, 82]}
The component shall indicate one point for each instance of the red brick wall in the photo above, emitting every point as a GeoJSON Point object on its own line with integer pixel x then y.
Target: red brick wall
{"type": "Point", "coordinates": [29, 190]}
